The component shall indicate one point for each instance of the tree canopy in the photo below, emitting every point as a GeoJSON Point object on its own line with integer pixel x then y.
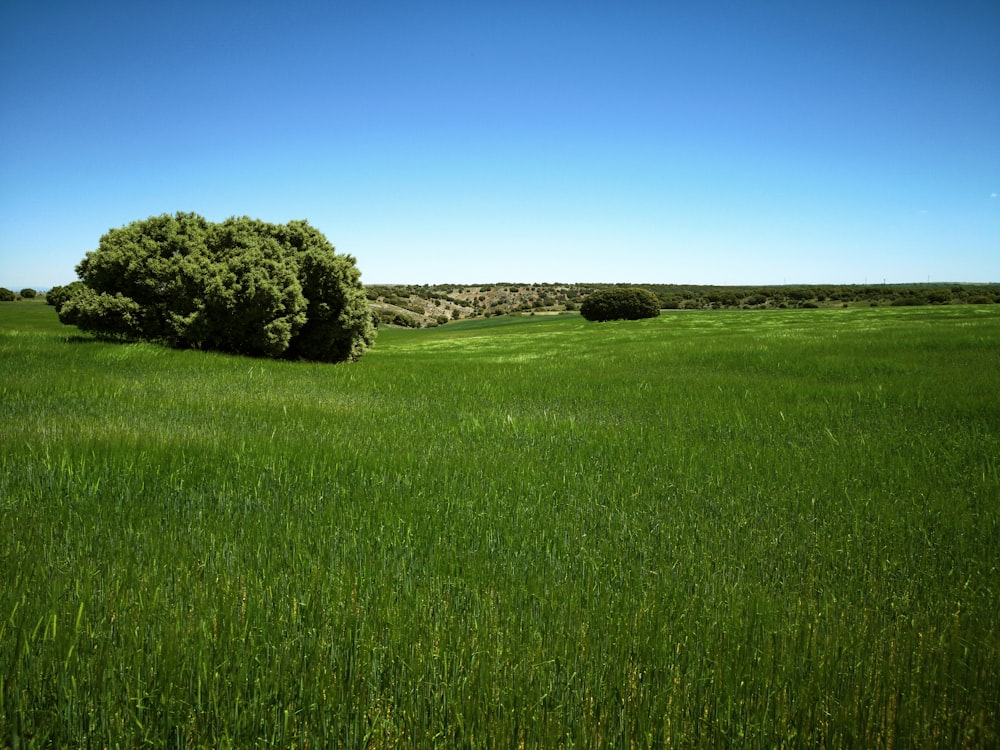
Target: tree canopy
{"type": "Point", "coordinates": [243, 286]}
{"type": "Point", "coordinates": [57, 296]}
{"type": "Point", "coordinates": [620, 303]}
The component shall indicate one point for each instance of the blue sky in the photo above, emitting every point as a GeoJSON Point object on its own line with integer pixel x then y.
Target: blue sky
{"type": "Point", "coordinates": [464, 142]}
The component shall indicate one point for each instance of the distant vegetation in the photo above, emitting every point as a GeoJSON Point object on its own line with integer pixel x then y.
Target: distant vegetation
{"type": "Point", "coordinates": [427, 306]}
{"type": "Point", "coordinates": [243, 286]}
{"type": "Point", "coordinates": [419, 306]}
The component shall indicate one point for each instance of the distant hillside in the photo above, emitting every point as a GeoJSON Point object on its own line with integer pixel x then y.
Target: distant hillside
{"type": "Point", "coordinates": [421, 306]}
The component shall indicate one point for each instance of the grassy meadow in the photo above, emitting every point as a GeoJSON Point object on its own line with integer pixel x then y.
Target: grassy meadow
{"type": "Point", "coordinates": [772, 528]}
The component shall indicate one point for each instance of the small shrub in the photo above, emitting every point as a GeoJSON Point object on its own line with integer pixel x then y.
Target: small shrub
{"type": "Point", "coordinates": [620, 304]}
{"type": "Point", "coordinates": [60, 295]}
{"type": "Point", "coordinates": [399, 319]}
{"type": "Point", "coordinates": [28, 293]}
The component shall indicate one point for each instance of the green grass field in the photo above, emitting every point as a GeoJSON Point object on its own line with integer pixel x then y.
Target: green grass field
{"type": "Point", "coordinates": [708, 529]}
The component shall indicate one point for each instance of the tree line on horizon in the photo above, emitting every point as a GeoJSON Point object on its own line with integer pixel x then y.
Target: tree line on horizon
{"type": "Point", "coordinates": [422, 305]}
{"type": "Point", "coordinates": [426, 305]}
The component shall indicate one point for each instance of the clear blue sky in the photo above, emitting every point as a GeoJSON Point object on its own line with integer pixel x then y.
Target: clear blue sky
{"type": "Point", "coordinates": [460, 142]}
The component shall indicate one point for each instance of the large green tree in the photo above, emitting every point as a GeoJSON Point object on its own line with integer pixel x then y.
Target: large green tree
{"type": "Point", "coordinates": [243, 286]}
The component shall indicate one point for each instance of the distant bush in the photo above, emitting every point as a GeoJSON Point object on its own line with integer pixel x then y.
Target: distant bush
{"type": "Point", "coordinates": [395, 318]}
{"type": "Point", "coordinates": [6, 295]}
{"type": "Point", "coordinates": [620, 304]}
{"type": "Point", "coordinates": [59, 295]}
{"type": "Point", "coordinates": [28, 293]}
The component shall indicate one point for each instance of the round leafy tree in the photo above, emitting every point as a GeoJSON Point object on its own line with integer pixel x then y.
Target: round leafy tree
{"type": "Point", "coordinates": [620, 303]}
{"type": "Point", "coordinates": [57, 296]}
{"type": "Point", "coordinates": [243, 286]}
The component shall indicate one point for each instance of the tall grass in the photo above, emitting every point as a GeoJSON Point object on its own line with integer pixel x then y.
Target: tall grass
{"type": "Point", "coordinates": [765, 529]}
